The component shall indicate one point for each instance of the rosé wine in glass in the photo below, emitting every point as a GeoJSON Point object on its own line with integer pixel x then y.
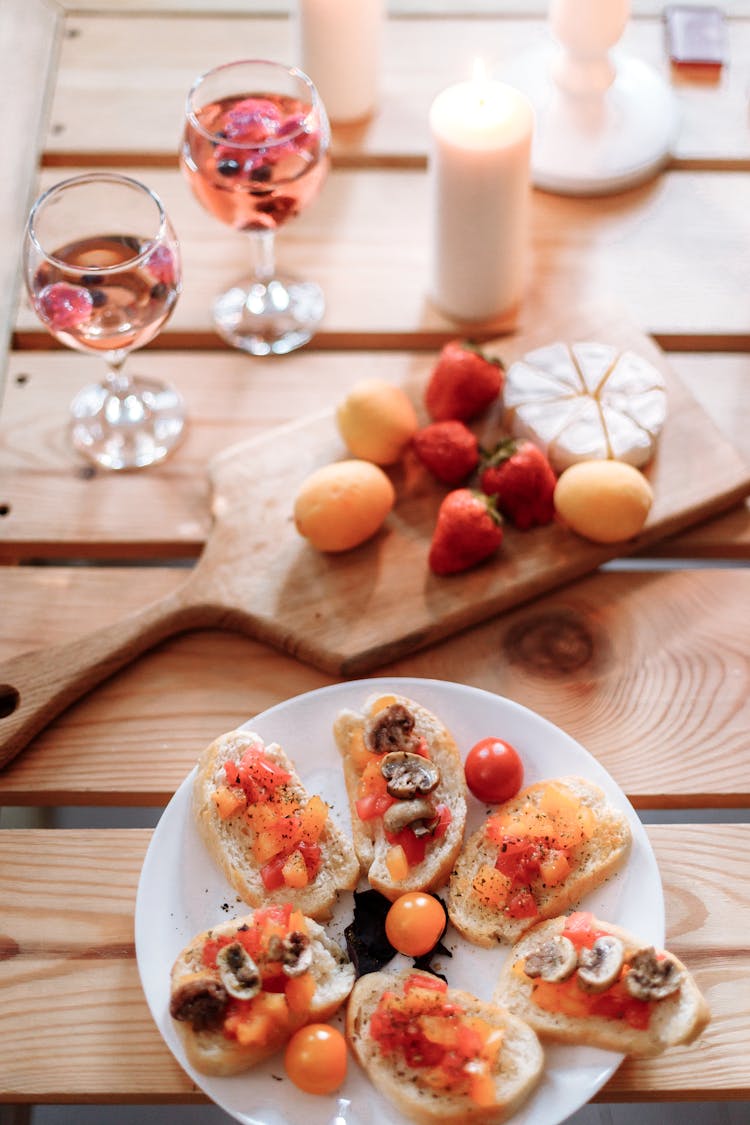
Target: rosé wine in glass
{"type": "Point", "coordinates": [108, 293]}
{"type": "Point", "coordinates": [255, 153]}
{"type": "Point", "coordinates": [122, 308]}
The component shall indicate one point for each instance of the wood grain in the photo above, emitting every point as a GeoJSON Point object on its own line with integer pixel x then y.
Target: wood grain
{"type": "Point", "coordinates": [647, 670]}
{"type": "Point", "coordinates": [54, 508]}
{"type": "Point", "coordinates": [381, 601]}
{"type": "Point", "coordinates": [139, 115]}
{"type": "Point", "coordinates": [103, 1046]}
{"type": "Point", "coordinates": [638, 249]}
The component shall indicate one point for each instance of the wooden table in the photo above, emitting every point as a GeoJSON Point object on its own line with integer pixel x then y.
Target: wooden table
{"type": "Point", "coordinates": [645, 663]}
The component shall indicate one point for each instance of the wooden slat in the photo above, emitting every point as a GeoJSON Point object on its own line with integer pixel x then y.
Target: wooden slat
{"type": "Point", "coordinates": [139, 111]}
{"type": "Point", "coordinates": [102, 1046]}
{"type": "Point", "coordinates": [55, 510]}
{"type": "Point", "coordinates": [648, 671]}
{"type": "Point", "coordinates": [639, 249]}
{"type": "Point", "coordinates": [28, 32]}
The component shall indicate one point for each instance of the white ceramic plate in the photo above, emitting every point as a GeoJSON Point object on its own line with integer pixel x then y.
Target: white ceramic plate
{"type": "Point", "coordinates": [181, 893]}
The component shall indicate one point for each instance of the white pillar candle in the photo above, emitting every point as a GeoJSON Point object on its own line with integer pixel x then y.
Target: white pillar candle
{"type": "Point", "coordinates": [480, 134]}
{"type": "Point", "coordinates": [339, 48]}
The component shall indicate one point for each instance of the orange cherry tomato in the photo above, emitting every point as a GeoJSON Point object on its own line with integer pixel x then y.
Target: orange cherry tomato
{"type": "Point", "coordinates": [414, 923]}
{"type": "Point", "coordinates": [315, 1058]}
{"type": "Point", "coordinates": [494, 771]}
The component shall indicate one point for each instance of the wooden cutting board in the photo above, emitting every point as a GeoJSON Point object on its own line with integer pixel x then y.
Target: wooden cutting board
{"type": "Point", "coordinates": [349, 613]}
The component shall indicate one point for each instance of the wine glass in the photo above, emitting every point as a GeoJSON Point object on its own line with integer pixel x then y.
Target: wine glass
{"type": "Point", "coordinates": [102, 268]}
{"type": "Point", "coordinates": [255, 152]}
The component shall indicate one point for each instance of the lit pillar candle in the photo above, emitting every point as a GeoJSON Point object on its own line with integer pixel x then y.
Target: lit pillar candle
{"type": "Point", "coordinates": [480, 145]}
{"type": "Point", "coordinates": [339, 48]}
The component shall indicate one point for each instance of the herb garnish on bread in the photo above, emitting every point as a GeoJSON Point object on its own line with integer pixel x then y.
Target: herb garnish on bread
{"type": "Point", "coordinates": [273, 841]}
{"type": "Point", "coordinates": [440, 1054]}
{"type": "Point", "coordinates": [535, 856]}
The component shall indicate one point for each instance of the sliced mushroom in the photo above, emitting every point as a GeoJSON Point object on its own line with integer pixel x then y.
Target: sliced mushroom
{"type": "Point", "coordinates": [201, 1002]}
{"type": "Point", "coordinates": [294, 952]}
{"type": "Point", "coordinates": [600, 965]}
{"type": "Point", "coordinates": [404, 813]}
{"type": "Point", "coordinates": [298, 955]}
{"type": "Point", "coordinates": [390, 729]}
{"type": "Point", "coordinates": [239, 973]}
{"type": "Point", "coordinates": [554, 960]}
{"type": "Point", "coordinates": [409, 775]}
{"type": "Point", "coordinates": [649, 978]}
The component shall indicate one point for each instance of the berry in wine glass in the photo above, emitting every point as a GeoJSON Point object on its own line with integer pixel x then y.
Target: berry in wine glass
{"type": "Point", "coordinates": [252, 121]}
{"type": "Point", "coordinates": [65, 306]}
{"type": "Point", "coordinates": [160, 263]}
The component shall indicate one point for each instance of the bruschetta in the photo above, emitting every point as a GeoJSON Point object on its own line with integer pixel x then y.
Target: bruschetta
{"type": "Point", "coordinates": [273, 840]}
{"type": "Point", "coordinates": [407, 793]}
{"type": "Point", "coordinates": [440, 1054]}
{"type": "Point", "coordinates": [239, 990]}
{"type": "Point", "coordinates": [534, 857]}
{"type": "Point", "coordinates": [580, 980]}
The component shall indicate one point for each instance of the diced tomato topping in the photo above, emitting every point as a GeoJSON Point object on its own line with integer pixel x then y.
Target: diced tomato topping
{"type": "Point", "coordinates": [414, 847]}
{"type": "Point", "coordinates": [445, 816]}
{"type": "Point", "coordinates": [277, 914]}
{"type": "Point", "coordinates": [300, 992]}
{"type": "Point", "coordinates": [522, 904]}
{"type": "Point", "coordinates": [616, 1003]}
{"type": "Point", "coordinates": [276, 918]}
{"type": "Point", "coordinates": [420, 980]}
{"type": "Point", "coordinates": [520, 861]}
{"type": "Point", "coordinates": [373, 805]}
{"type": "Point", "coordinates": [257, 774]}
{"type": "Point", "coordinates": [580, 929]}
{"type": "Point", "coordinates": [524, 859]}
{"type": "Point", "coordinates": [280, 825]}
{"type": "Point", "coordinates": [211, 948]}
{"type": "Point", "coordinates": [311, 855]}
{"type": "Point", "coordinates": [435, 1036]}
{"type": "Point", "coordinates": [272, 872]}
{"type": "Point", "coordinates": [395, 861]}
{"type": "Point", "coordinates": [276, 982]}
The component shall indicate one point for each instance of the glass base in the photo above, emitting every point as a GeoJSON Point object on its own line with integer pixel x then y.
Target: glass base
{"type": "Point", "coordinates": [127, 431]}
{"type": "Point", "coordinates": [269, 319]}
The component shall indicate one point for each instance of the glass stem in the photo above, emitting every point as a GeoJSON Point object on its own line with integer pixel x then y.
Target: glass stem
{"type": "Point", "coordinates": [118, 382]}
{"type": "Point", "coordinates": [262, 254]}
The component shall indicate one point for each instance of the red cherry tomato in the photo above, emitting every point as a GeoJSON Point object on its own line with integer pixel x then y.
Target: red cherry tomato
{"type": "Point", "coordinates": [494, 771]}
{"type": "Point", "coordinates": [315, 1058]}
{"type": "Point", "coordinates": [414, 923]}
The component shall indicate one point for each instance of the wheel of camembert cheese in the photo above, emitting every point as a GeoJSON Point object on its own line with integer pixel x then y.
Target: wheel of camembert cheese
{"type": "Point", "coordinates": [586, 401]}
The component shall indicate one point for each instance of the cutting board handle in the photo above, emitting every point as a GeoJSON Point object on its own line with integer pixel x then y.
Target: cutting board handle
{"type": "Point", "coordinates": [36, 686]}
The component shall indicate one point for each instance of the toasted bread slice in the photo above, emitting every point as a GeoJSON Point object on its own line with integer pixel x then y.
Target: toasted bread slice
{"type": "Point", "coordinates": [591, 862]}
{"type": "Point", "coordinates": [371, 845]}
{"type": "Point", "coordinates": [514, 1072]}
{"type": "Point", "coordinates": [677, 1018]}
{"type": "Point", "coordinates": [230, 840]}
{"type": "Point", "coordinates": [211, 1049]}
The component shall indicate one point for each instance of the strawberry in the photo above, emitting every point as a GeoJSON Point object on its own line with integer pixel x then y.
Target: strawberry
{"type": "Point", "coordinates": [448, 449]}
{"type": "Point", "coordinates": [468, 530]}
{"type": "Point", "coordinates": [463, 382]}
{"type": "Point", "coordinates": [522, 481]}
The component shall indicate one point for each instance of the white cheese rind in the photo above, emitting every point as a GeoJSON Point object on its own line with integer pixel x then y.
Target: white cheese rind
{"type": "Point", "coordinates": [586, 401]}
